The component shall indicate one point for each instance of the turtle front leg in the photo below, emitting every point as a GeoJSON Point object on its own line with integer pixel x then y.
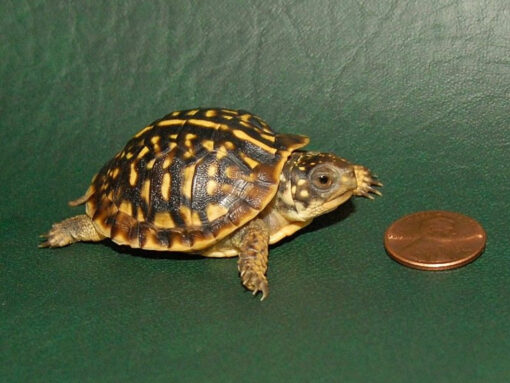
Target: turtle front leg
{"type": "Point", "coordinates": [252, 242]}
{"type": "Point", "coordinates": [70, 230]}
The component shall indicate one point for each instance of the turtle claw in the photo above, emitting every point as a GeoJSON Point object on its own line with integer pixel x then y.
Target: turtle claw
{"type": "Point", "coordinates": [263, 288]}
{"type": "Point", "coordinates": [366, 183]}
{"type": "Point", "coordinates": [375, 191]}
{"type": "Point", "coordinates": [46, 243]}
{"type": "Point", "coordinates": [255, 282]}
{"type": "Point", "coordinates": [367, 195]}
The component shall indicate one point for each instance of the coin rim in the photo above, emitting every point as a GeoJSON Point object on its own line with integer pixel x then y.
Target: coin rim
{"type": "Point", "coordinates": [437, 266]}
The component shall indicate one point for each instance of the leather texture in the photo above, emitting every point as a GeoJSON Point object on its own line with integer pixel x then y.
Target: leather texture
{"type": "Point", "coordinates": [418, 91]}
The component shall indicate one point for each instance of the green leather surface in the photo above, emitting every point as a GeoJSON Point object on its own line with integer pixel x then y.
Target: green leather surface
{"type": "Point", "coordinates": [418, 91]}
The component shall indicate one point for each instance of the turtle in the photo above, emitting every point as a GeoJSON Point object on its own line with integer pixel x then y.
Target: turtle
{"type": "Point", "coordinates": [215, 182]}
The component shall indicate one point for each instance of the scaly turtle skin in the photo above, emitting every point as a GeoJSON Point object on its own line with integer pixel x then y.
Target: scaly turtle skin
{"type": "Point", "coordinates": [216, 182]}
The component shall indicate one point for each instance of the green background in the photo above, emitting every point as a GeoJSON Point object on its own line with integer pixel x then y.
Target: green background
{"type": "Point", "coordinates": [418, 91]}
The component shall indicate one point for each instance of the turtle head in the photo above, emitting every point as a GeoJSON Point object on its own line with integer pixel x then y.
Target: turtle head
{"type": "Point", "coordinates": [314, 183]}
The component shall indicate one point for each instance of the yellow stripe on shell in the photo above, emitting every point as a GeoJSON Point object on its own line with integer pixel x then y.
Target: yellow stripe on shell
{"type": "Point", "coordinates": [187, 178]}
{"type": "Point", "coordinates": [208, 144]}
{"type": "Point", "coordinates": [165, 186]}
{"type": "Point", "coordinates": [150, 164]}
{"type": "Point", "coordinates": [212, 170]}
{"type": "Point", "coordinates": [214, 212]}
{"type": "Point", "coordinates": [269, 137]}
{"type": "Point", "coordinates": [151, 241]}
{"type": "Point", "coordinates": [232, 172]}
{"type": "Point", "coordinates": [155, 141]}
{"type": "Point", "coordinates": [126, 207]}
{"type": "Point", "coordinates": [139, 214]}
{"type": "Point", "coordinates": [143, 152]}
{"type": "Point", "coordinates": [195, 218]}
{"type": "Point", "coordinates": [133, 175]}
{"type": "Point", "coordinates": [186, 215]}
{"type": "Point", "coordinates": [229, 111]}
{"type": "Point", "coordinates": [245, 124]}
{"type": "Point", "coordinates": [189, 140]}
{"type": "Point", "coordinates": [163, 219]}
{"type": "Point", "coordinates": [171, 146]}
{"type": "Point", "coordinates": [212, 187]}
{"type": "Point", "coordinates": [204, 123]}
{"type": "Point", "coordinates": [147, 128]}
{"type": "Point", "coordinates": [221, 152]}
{"type": "Point", "coordinates": [172, 122]}
{"type": "Point", "coordinates": [250, 161]}
{"type": "Point", "coordinates": [145, 192]}
{"type": "Point", "coordinates": [226, 189]}
{"type": "Point", "coordinates": [245, 137]}
{"type": "Point", "coordinates": [229, 145]}
{"type": "Point", "coordinates": [167, 162]}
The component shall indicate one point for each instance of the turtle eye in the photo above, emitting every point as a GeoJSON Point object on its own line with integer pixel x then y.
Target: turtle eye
{"type": "Point", "coordinates": [322, 180]}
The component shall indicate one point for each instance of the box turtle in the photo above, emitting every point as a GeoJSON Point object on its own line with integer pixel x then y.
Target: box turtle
{"type": "Point", "coordinates": [215, 182]}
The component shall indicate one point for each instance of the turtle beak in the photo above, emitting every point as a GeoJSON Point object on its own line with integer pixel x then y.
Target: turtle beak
{"type": "Point", "coordinates": [339, 199]}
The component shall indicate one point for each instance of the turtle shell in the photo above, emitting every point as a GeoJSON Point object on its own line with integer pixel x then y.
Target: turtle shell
{"type": "Point", "coordinates": [189, 179]}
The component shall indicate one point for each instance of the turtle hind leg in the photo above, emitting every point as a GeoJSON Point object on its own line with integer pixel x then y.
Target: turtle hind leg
{"type": "Point", "coordinates": [70, 230]}
{"type": "Point", "coordinates": [252, 242]}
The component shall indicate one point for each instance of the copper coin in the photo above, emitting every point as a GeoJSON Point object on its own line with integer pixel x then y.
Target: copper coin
{"type": "Point", "coordinates": [435, 240]}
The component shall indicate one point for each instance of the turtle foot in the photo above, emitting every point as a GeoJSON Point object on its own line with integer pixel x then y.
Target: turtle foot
{"type": "Point", "coordinates": [367, 183]}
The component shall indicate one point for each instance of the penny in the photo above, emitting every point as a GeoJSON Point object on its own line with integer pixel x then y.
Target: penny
{"type": "Point", "coordinates": [435, 240]}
